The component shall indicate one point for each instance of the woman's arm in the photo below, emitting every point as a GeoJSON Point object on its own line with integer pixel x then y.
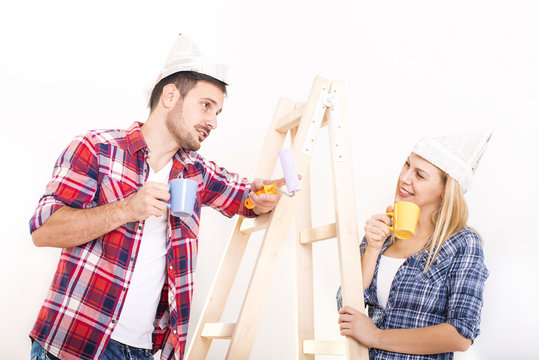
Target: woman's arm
{"type": "Point", "coordinates": [435, 339]}
{"type": "Point", "coordinates": [376, 232]}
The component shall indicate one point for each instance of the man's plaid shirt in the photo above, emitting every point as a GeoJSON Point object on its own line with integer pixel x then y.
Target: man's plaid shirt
{"type": "Point", "coordinates": [451, 291]}
{"type": "Point", "coordinates": [91, 281]}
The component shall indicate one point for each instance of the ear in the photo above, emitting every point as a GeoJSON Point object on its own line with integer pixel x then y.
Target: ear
{"type": "Point", "coordinates": [169, 96]}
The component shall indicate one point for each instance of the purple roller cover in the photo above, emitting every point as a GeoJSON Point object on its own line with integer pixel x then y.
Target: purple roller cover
{"type": "Point", "coordinates": [289, 171]}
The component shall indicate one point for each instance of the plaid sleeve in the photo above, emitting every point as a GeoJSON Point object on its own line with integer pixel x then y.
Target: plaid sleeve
{"type": "Point", "coordinates": [73, 183]}
{"type": "Point", "coordinates": [224, 191]}
{"type": "Point", "coordinates": [466, 283]}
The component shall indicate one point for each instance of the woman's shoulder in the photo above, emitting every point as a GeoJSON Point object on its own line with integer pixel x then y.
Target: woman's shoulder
{"type": "Point", "coordinates": [466, 239]}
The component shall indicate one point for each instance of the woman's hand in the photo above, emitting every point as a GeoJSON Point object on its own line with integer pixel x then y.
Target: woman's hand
{"type": "Point", "coordinates": [357, 325]}
{"type": "Point", "coordinates": [376, 230]}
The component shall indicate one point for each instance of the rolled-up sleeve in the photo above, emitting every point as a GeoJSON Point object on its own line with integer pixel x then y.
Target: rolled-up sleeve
{"type": "Point", "coordinates": [224, 191]}
{"type": "Point", "coordinates": [73, 183]}
{"type": "Point", "coordinates": [466, 285]}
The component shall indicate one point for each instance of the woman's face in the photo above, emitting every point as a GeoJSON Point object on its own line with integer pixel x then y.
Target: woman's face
{"type": "Point", "coordinates": [420, 182]}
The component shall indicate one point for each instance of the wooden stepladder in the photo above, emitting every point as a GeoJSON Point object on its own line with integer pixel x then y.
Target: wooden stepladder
{"type": "Point", "coordinates": [325, 106]}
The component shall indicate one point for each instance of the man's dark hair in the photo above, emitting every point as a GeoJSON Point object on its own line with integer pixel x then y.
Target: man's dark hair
{"type": "Point", "coordinates": [184, 81]}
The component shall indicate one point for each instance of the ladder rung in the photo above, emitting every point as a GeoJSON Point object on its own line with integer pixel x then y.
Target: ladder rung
{"type": "Point", "coordinates": [318, 234]}
{"type": "Point", "coordinates": [249, 225]}
{"type": "Point", "coordinates": [324, 347]}
{"type": "Point", "coordinates": [290, 120]}
{"type": "Point", "coordinates": [218, 330]}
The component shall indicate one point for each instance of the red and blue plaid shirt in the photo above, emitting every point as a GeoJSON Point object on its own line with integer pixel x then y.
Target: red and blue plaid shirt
{"type": "Point", "coordinates": [90, 284]}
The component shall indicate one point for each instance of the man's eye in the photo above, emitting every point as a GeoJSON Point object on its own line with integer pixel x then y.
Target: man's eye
{"type": "Point", "coordinates": [205, 105]}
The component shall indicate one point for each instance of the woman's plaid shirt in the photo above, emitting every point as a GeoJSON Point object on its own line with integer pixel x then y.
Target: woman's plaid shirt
{"type": "Point", "coordinates": [451, 291]}
{"type": "Point", "coordinates": [91, 280]}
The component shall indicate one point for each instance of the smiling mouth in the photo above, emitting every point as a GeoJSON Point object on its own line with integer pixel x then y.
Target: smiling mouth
{"type": "Point", "coordinates": [405, 192]}
{"type": "Point", "coordinates": [203, 133]}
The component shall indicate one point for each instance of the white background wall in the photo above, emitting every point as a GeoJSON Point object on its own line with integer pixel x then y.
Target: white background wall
{"type": "Point", "coordinates": [412, 68]}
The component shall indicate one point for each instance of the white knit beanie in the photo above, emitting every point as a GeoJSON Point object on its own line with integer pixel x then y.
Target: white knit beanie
{"type": "Point", "coordinates": [457, 155]}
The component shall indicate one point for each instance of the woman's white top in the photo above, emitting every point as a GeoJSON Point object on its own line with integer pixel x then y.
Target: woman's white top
{"type": "Point", "coordinates": [387, 269]}
{"type": "Point", "coordinates": [135, 325]}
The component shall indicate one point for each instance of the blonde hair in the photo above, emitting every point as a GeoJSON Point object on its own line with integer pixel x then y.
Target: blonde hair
{"type": "Point", "coordinates": [449, 218]}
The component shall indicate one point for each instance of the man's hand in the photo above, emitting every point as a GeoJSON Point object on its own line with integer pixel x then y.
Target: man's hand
{"type": "Point", "coordinates": [149, 200]}
{"type": "Point", "coordinates": [264, 202]}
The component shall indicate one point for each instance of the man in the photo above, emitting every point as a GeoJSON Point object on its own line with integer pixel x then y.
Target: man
{"type": "Point", "coordinates": [124, 282]}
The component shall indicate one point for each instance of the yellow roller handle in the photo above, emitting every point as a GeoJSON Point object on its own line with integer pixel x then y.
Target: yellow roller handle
{"type": "Point", "coordinates": [267, 189]}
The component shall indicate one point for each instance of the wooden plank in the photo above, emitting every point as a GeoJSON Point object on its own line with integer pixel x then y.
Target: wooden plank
{"type": "Point", "coordinates": [218, 330]}
{"type": "Point", "coordinates": [324, 347]}
{"type": "Point", "coordinates": [281, 218]}
{"type": "Point", "coordinates": [308, 236]}
{"type": "Point", "coordinates": [250, 225]}
{"type": "Point", "coordinates": [290, 120]}
{"type": "Point", "coordinates": [228, 268]}
{"type": "Point", "coordinates": [345, 213]}
{"type": "Point", "coordinates": [304, 272]}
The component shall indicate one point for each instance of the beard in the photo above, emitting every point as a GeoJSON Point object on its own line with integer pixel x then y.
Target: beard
{"type": "Point", "coordinates": [178, 129]}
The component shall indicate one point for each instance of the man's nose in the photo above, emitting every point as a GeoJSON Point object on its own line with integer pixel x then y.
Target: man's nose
{"type": "Point", "coordinates": [211, 121]}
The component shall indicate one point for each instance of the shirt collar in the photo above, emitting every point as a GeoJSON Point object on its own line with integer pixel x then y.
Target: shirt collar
{"type": "Point", "coordinates": [135, 140]}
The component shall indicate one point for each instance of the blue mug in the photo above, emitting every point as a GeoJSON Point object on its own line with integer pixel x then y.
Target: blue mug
{"type": "Point", "coordinates": [183, 194]}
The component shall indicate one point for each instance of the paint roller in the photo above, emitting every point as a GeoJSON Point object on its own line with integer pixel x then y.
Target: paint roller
{"type": "Point", "coordinates": [290, 177]}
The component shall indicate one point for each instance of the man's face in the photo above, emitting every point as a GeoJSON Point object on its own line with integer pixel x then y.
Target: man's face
{"type": "Point", "coordinates": [191, 120]}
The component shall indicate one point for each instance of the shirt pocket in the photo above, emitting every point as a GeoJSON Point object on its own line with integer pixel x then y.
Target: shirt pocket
{"type": "Point", "coordinates": [428, 294]}
{"type": "Point", "coordinates": [111, 190]}
{"type": "Point", "coordinates": [437, 272]}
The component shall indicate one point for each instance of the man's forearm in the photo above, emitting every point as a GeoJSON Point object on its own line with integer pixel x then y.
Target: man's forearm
{"type": "Point", "coordinates": [422, 341]}
{"type": "Point", "coordinates": [68, 227]}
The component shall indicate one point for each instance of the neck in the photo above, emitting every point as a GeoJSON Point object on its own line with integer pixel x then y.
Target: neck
{"type": "Point", "coordinates": [423, 231]}
{"type": "Point", "coordinates": [161, 144]}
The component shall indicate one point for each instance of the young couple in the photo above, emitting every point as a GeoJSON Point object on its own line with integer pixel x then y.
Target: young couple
{"type": "Point", "coordinates": [124, 281]}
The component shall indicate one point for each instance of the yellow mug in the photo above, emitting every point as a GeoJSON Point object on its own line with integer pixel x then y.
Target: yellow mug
{"type": "Point", "coordinates": [405, 215]}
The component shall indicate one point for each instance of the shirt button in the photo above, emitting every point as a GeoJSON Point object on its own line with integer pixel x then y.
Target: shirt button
{"type": "Point", "coordinates": [174, 332]}
{"type": "Point", "coordinates": [132, 259]}
{"type": "Point", "coordinates": [170, 267]}
{"type": "Point", "coordinates": [140, 227]}
{"type": "Point", "coordinates": [113, 321]}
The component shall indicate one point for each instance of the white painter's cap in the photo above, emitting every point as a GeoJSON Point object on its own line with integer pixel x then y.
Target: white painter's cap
{"type": "Point", "coordinates": [457, 155]}
{"type": "Point", "coordinates": [186, 56]}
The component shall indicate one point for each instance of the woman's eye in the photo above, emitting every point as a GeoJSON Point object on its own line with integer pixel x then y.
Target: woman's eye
{"type": "Point", "coordinates": [420, 176]}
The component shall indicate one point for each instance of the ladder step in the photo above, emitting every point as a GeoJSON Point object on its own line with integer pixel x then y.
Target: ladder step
{"type": "Point", "coordinates": [290, 120]}
{"type": "Point", "coordinates": [324, 347]}
{"type": "Point", "coordinates": [325, 232]}
{"type": "Point", "coordinates": [218, 330]}
{"type": "Point", "coordinates": [250, 225]}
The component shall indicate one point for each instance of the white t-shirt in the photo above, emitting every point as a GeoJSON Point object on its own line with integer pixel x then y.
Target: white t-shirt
{"type": "Point", "coordinates": [387, 269]}
{"type": "Point", "coordinates": [135, 325]}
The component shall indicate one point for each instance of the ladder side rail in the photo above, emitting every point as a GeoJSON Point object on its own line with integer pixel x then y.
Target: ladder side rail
{"type": "Point", "coordinates": [345, 211]}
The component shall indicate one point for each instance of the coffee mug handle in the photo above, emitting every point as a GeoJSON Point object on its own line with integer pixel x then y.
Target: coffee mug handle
{"type": "Point", "coordinates": [391, 215]}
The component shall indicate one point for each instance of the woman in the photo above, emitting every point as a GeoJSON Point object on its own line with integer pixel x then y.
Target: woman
{"type": "Point", "coordinates": [425, 293]}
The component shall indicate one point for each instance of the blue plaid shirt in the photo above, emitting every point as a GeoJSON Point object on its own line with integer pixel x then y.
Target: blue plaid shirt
{"type": "Point", "coordinates": [451, 291]}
